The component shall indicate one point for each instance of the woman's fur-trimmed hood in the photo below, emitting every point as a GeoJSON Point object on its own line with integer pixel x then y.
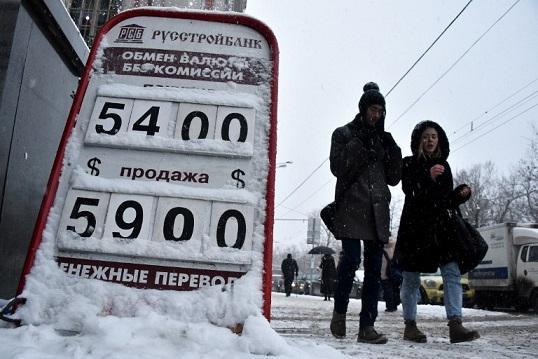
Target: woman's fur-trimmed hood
{"type": "Point", "coordinates": [417, 134]}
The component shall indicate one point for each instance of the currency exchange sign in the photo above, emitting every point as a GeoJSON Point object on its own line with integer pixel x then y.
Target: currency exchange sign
{"type": "Point", "coordinates": [165, 174]}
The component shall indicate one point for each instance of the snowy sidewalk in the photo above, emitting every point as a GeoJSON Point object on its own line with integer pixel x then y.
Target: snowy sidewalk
{"type": "Point", "coordinates": [304, 321]}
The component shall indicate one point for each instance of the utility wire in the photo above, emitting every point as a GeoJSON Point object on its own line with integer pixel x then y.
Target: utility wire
{"type": "Point", "coordinates": [453, 65]}
{"type": "Point", "coordinates": [420, 97]}
{"type": "Point", "coordinates": [292, 219]}
{"type": "Point", "coordinates": [493, 129]}
{"type": "Point", "coordinates": [294, 210]}
{"type": "Point", "coordinates": [470, 1]}
{"type": "Point", "coordinates": [300, 184]}
{"type": "Point", "coordinates": [494, 107]}
{"type": "Point", "coordinates": [428, 49]}
{"type": "Point", "coordinates": [525, 99]}
{"type": "Point", "coordinates": [313, 193]}
{"type": "Point", "coordinates": [310, 196]}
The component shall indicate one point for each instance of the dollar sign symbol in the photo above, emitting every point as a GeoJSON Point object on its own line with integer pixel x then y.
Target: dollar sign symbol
{"type": "Point", "coordinates": [236, 176]}
{"type": "Point", "coordinates": [92, 163]}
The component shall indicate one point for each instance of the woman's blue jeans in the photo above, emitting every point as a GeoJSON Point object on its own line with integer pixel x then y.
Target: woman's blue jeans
{"type": "Point", "coordinates": [452, 291]}
{"type": "Point", "coordinates": [349, 263]}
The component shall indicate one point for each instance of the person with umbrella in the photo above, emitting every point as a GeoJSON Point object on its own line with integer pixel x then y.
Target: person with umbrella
{"type": "Point", "coordinates": [328, 275]}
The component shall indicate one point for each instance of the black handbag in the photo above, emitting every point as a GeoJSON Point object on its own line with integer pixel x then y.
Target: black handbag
{"type": "Point", "coordinates": [471, 246]}
{"type": "Point", "coordinates": [327, 215]}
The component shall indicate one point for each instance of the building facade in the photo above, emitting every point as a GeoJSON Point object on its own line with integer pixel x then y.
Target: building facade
{"type": "Point", "coordinates": [90, 15]}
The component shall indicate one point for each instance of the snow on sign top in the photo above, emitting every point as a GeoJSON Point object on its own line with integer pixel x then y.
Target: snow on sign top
{"type": "Point", "coordinates": [167, 176]}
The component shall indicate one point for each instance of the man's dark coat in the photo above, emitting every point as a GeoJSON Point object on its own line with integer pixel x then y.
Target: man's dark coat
{"type": "Point", "coordinates": [364, 160]}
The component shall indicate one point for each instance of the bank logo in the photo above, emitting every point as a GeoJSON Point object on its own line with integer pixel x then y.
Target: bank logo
{"type": "Point", "coordinates": [131, 34]}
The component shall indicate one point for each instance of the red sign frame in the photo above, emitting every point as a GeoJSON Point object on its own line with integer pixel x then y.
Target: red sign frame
{"type": "Point", "coordinates": [52, 185]}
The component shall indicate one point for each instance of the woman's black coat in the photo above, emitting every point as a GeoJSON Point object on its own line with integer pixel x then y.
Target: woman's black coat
{"type": "Point", "coordinates": [426, 233]}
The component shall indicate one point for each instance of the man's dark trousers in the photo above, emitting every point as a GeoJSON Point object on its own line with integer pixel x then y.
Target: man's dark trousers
{"type": "Point", "coordinates": [287, 285]}
{"type": "Point", "coordinates": [373, 254]}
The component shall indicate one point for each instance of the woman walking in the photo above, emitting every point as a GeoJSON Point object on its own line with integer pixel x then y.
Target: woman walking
{"type": "Point", "coordinates": [426, 233]}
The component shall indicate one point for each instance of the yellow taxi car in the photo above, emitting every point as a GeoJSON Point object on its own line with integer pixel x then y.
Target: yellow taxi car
{"type": "Point", "coordinates": [431, 290]}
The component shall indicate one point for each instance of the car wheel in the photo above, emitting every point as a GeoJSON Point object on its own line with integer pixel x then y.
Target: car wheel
{"type": "Point", "coordinates": [534, 301]}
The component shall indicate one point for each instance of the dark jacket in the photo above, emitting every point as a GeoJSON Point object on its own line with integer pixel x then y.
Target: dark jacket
{"type": "Point", "coordinates": [289, 268]}
{"type": "Point", "coordinates": [364, 161]}
{"type": "Point", "coordinates": [328, 269]}
{"type": "Point", "coordinates": [425, 236]}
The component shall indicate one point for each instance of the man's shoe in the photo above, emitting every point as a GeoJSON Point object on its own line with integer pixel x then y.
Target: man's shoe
{"type": "Point", "coordinates": [370, 336]}
{"type": "Point", "coordinates": [412, 333]}
{"type": "Point", "coordinates": [458, 333]}
{"type": "Point", "coordinates": [390, 310]}
{"type": "Point", "coordinates": [338, 325]}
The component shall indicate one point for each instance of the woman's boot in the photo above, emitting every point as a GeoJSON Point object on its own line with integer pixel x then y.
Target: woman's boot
{"type": "Point", "coordinates": [458, 333]}
{"type": "Point", "coordinates": [412, 333]}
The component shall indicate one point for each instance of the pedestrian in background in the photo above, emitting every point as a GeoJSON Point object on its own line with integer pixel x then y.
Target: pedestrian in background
{"type": "Point", "coordinates": [290, 270]}
{"type": "Point", "coordinates": [427, 232]}
{"type": "Point", "coordinates": [328, 275]}
{"type": "Point", "coordinates": [391, 279]}
{"type": "Point", "coordinates": [365, 160]}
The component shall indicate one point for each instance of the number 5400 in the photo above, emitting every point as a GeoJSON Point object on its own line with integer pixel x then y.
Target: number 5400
{"type": "Point", "coordinates": [112, 116]}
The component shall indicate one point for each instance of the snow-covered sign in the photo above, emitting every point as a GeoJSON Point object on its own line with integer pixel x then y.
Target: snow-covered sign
{"type": "Point", "coordinates": [165, 175]}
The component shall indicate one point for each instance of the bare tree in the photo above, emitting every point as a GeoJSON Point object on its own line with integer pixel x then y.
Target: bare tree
{"type": "Point", "coordinates": [527, 175]}
{"type": "Point", "coordinates": [500, 199]}
{"type": "Point", "coordinates": [482, 180]}
{"type": "Point", "coordinates": [505, 196]}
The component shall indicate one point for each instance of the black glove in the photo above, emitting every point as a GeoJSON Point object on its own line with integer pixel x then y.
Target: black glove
{"type": "Point", "coordinates": [459, 188]}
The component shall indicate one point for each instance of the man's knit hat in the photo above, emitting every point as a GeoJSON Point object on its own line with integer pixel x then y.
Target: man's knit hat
{"type": "Point", "coordinates": [371, 96]}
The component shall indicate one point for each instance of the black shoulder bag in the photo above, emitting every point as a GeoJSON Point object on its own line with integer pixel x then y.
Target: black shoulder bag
{"type": "Point", "coordinates": [328, 213]}
{"type": "Point", "coordinates": [470, 245]}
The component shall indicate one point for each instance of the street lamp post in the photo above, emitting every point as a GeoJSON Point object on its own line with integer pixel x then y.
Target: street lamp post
{"type": "Point", "coordinates": [283, 164]}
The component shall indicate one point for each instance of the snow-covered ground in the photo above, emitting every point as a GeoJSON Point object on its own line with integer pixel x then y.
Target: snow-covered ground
{"type": "Point", "coordinates": [303, 321]}
{"type": "Point", "coordinates": [298, 329]}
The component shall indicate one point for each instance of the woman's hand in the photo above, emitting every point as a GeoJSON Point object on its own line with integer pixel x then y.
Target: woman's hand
{"type": "Point", "coordinates": [436, 171]}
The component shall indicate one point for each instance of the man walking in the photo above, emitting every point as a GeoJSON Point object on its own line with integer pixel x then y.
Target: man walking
{"type": "Point", "coordinates": [365, 160]}
{"type": "Point", "coordinates": [290, 269]}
